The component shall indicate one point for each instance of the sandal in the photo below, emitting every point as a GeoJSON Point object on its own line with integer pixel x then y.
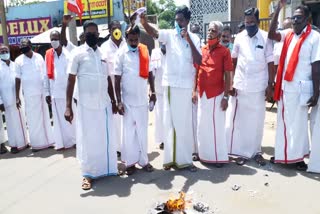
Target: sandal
{"type": "Point", "coordinates": [3, 149]}
{"type": "Point", "coordinates": [301, 166]}
{"type": "Point", "coordinates": [148, 168]}
{"type": "Point", "coordinates": [195, 157]}
{"type": "Point", "coordinates": [240, 161]}
{"type": "Point", "coordinates": [86, 184]}
{"type": "Point", "coordinates": [14, 150]}
{"type": "Point", "coordinates": [260, 160]}
{"type": "Point", "coordinates": [192, 168]}
{"type": "Point", "coordinates": [130, 170]}
{"type": "Point", "coordinates": [167, 168]}
{"type": "Point", "coordinates": [272, 160]}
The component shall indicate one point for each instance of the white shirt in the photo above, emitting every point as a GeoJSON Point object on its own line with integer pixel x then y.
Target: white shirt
{"type": "Point", "coordinates": [277, 48]}
{"type": "Point", "coordinates": [253, 55]}
{"type": "Point", "coordinates": [57, 87]}
{"type": "Point", "coordinates": [133, 87]}
{"type": "Point", "coordinates": [179, 70]}
{"type": "Point", "coordinates": [31, 71]}
{"type": "Point", "coordinates": [158, 61]}
{"type": "Point", "coordinates": [110, 50]}
{"type": "Point", "coordinates": [7, 83]}
{"type": "Point", "coordinates": [70, 46]}
{"type": "Point", "coordinates": [92, 74]}
{"type": "Point", "coordinates": [309, 53]}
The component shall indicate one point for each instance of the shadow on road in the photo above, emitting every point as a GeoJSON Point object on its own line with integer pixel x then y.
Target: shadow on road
{"type": "Point", "coordinates": [121, 186]}
{"type": "Point", "coordinates": [40, 154]}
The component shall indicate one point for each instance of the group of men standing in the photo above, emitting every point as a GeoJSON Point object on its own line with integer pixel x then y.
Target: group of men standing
{"type": "Point", "coordinates": [100, 96]}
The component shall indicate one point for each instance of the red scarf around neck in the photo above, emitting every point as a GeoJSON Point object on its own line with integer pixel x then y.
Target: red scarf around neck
{"type": "Point", "coordinates": [50, 63]}
{"type": "Point", "coordinates": [293, 61]}
{"type": "Point", "coordinates": [144, 61]}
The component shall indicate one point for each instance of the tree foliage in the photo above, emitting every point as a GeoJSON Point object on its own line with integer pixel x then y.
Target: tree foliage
{"type": "Point", "coordinates": [165, 10]}
{"type": "Point", "coordinates": [13, 3]}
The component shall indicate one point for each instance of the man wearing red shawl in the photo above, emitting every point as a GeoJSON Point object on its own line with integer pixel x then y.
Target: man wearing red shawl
{"type": "Point", "coordinates": [297, 86]}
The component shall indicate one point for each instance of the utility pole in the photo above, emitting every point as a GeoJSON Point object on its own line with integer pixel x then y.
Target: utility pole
{"type": "Point", "coordinates": [3, 23]}
{"type": "Point", "coordinates": [108, 12]}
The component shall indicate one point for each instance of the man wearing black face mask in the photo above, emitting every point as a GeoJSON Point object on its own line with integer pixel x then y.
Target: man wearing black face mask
{"type": "Point", "coordinates": [253, 60]}
{"type": "Point", "coordinates": [296, 90]}
{"type": "Point", "coordinates": [30, 72]}
{"type": "Point", "coordinates": [96, 147]}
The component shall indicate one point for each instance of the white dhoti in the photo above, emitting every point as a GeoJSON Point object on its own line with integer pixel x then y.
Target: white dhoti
{"type": "Point", "coordinates": [212, 142]}
{"type": "Point", "coordinates": [292, 142]}
{"type": "Point", "coordinates": [96, 148]}
{"type": "Point", "coordinates": [195, 127]}
{"type": "Point", "coordinates": [16, 127]}
{"type": "Point", "coordinates": [135, 136]}
{"type": "Point", "coordinates": [117, 130]}
{"type": "Point", "coordinates": [158, 127]}
{"type": "Point", "coordinates": [314, 159]}
{"type": "Point", "coordinates": [313, 115]}
{"type": "Point", "coordinates": [64, 133]}
{"type": "Point", "coordinates": [244, 123]}
{"type": "Point", "coordinates": [179, 141]}
{"type": "Point", "coordinates": [38, 120]}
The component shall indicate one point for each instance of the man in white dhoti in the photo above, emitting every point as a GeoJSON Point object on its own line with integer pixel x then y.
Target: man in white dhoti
{"type": "Point", "coordinates": [211, 89]}
{"type": "Point", "coordinates": [158, 60]}
{"type": "Point", "coordinates": [253, 59]}
{"type": "Point", "coordinates": [297, 86]}
{"type": "Point", "coordinates": [57, 59]}
{"type": "Point", "coordinates": [15, 121]}
{"type": "Point", "coordinates": [183, 51]}
{"type": "Point", "coordinates": [110, 49]}
{"type": "Point", "coordinates": [30, 72]}
{"type": "Point", "coordinates": [131, 78]}
{"type": "Point", "coordinates": [96, 148]}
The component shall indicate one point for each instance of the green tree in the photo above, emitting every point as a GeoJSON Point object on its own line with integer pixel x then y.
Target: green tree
{"type": "Point", "coordinates": [13, 3]}
{"type": "Point", "coordinates": [165, 10]}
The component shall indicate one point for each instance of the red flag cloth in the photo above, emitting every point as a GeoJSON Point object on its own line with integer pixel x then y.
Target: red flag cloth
{"type": "Point", "coordinates": [144, 61]}
{"type": "Point", "coordinates": [50, 63]}
{"type": "Point", "coordinates": [76, 7]}
{"type": "Point", "coordinates": [293, 61]}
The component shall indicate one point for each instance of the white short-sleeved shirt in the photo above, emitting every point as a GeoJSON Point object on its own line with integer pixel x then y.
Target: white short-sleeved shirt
{"type": "Point", "coordinates": [158, 60]}
{"type": "Point", "coordinates": [109, 51]}
{"type": "Point", "coordinates": [58, 85]}
{"type": "Point", "coordinates": [133, 87]}
{"type": "Point", "coordinates": [277, 48]}
{"type": "Point", "coordinates": [253, 55]}
{"type": "Point", "coordinates": [179, 70]}
{"type": "Point", "coordinates": [7, 83]}
{"type": "Point", "coordinates": [309, 53]}
{"type": "Point", "coordinates": [31, 71]}
{"type": "Point", "coordinates": [92, 73]}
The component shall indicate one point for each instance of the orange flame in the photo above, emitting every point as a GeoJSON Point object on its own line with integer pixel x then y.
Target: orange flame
{"type": "Point", "coordinates": [177, 204]}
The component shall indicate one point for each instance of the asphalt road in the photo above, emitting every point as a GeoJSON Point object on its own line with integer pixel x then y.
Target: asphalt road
{"type": "Point", "coordinates": [50, 182]}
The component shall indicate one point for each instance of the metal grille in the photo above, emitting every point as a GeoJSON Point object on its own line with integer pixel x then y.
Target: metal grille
{"type": "Point", "coordinates": [203, 7]}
